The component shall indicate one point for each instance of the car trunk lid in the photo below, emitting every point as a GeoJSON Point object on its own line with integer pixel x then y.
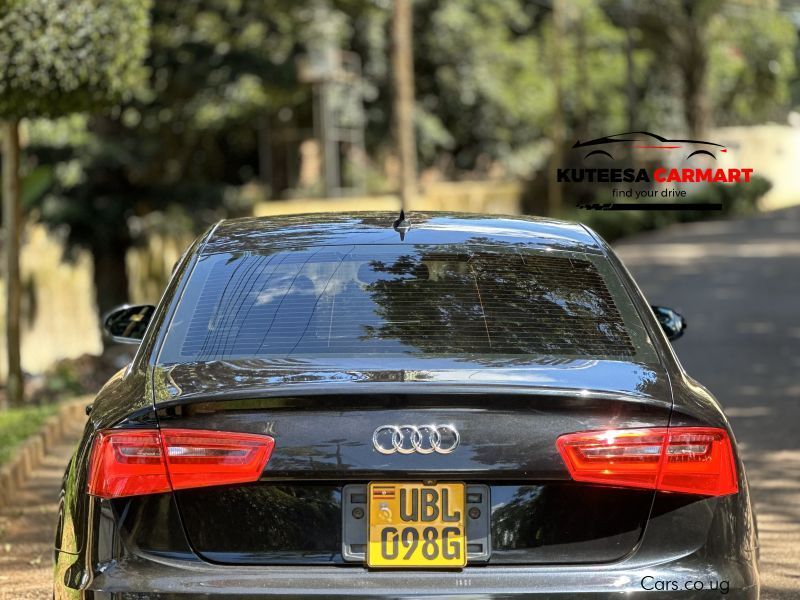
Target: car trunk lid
{"type": "Point", "coordinates": [507, 419]}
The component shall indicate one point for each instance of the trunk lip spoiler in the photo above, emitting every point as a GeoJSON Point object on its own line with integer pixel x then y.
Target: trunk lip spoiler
{"type": "Point", "coordinates": [328, 388]}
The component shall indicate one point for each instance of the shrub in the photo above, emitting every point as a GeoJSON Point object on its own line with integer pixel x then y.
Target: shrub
{"type": "Point", "coordinates": [736, 199]}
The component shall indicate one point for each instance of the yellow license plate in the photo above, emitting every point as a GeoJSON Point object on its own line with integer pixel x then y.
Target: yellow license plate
{"type": "Point", "coordinates": [416, 525]}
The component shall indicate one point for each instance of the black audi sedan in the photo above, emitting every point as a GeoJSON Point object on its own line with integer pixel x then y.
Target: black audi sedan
{"type": "Point", "coordinates": [441, 404]}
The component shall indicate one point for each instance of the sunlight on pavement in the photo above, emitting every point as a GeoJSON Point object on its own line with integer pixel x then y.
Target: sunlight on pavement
{"type": "Point", "coordinates": [737, 282]}
{"type": "Point", "coordinates": [683, 253]}
{"type": "Point", "coordinates": [27, 527]}
{"type": "Point", "coordinates": [776, 477]}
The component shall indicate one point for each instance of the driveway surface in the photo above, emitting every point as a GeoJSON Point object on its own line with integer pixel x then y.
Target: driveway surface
{"type": "Point", "coordinates": [738, 284]}
{"type": "Point", "coordinates": [28, 525]}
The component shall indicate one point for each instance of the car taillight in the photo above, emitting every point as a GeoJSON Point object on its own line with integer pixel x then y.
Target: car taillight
{"type": "Point", "coordinates": [135, 462]}
{"type": "Point", "coordinates": [692, 460]}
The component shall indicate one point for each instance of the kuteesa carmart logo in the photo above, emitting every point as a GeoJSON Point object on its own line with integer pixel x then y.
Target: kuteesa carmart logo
{"type": "Point", "coordinates": [672, 164]}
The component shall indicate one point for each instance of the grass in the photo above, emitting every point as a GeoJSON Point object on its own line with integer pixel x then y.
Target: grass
{"type": "Point", "coordinates": [17, 424]}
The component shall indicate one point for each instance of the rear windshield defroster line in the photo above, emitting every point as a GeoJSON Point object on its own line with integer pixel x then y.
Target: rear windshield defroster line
{"type": "Point", "coordinates": [397, 300]}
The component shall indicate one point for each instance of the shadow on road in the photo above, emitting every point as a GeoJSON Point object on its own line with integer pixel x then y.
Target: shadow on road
{"type": "Point", "coordinates": [738, 284]}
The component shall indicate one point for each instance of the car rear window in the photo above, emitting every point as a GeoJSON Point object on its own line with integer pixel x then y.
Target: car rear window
{"type": "Point", "coordinates": [400, 300]}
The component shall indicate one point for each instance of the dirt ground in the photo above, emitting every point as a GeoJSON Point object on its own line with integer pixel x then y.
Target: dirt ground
{"type": "Point", "coordinates": [27, 526]}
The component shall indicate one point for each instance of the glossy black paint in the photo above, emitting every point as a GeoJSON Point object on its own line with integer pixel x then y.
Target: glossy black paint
{"type": "Point", "coordinates": [672, 322]}
{"type": "Point", "coordinates": [504, 437]}
{"type": "Point", "coordinates": [128, 324]}
{"type": "Point", "coordinates": [122, 548]}
{"type": "Point", "coordinates": [329, 437]}
{"type": "Point", "coordinates": [269, 523]}
{"type": "Point", "coordinates": [259, 234]}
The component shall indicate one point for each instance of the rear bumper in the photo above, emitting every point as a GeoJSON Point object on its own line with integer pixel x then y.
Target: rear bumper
{"type": "Point", "coordinates": [687, 578]}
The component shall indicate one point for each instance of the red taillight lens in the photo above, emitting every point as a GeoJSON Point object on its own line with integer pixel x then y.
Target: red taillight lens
{"type": "Point", "coordinates": [693, 460]}
{"type": "Point", "coordinates": [135, 462]}
{"type": "Point", "coordinates": [127, 463]}
{"type": "Point", "coordinates": [202, 458]}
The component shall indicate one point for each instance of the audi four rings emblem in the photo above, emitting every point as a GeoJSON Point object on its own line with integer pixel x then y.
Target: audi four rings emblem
{"type": "Point", "coordinates": [422, 439]}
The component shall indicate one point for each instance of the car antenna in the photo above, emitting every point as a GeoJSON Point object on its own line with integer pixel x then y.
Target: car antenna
{"type": "Point", "coordinates": [401, 225]}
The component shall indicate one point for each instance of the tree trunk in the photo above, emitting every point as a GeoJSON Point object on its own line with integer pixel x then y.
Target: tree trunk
{"type": "Point", "coordinates": [696, 106]}
{"type": "Point", "coordinates": [554, 197]}
{"type": "Point", "coordinates": [694, 67]}
{"type": "Point", "coordinates": [110, 275]}
{"type": "Point", "coordinates": [403, 79]}
{"type": "Point", "coordinates": [630, 83]}
{"type": "Point", "coordinates": [12, 224]}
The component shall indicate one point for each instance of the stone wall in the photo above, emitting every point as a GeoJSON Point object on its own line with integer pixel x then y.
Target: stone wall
{"type": "Point", "coordinates": [59, 316]}
{"type": "Point", "coordinates": [772, 151]}
{"type": "Point", "coordinates": [490, 197]}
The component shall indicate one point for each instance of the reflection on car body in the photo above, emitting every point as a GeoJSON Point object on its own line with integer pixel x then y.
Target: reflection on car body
{"type": "Point", "coordinates": [244, 452]}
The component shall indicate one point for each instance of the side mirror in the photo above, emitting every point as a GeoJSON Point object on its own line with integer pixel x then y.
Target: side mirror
{"type": "Point", "coordinates": [671, 321]}
{"type": "Point", "coordinates": [127, 324]}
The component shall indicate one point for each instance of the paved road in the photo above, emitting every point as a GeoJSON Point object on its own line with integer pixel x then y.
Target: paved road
{"type": "Point", "coordinates": [738, 284]}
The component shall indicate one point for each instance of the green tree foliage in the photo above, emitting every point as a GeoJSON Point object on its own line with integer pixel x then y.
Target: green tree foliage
{"type": "Point", "coordinates": [594, 68]}
{"type": "Point", "coordinates": [481, 83]}
{"type": "Point", "coordinates": [483, 79]}
{"type": "Point", "coordinates": [184, 141]}
{"type": "Point", "coordinates": [62, 56]}
{"type": "Point", "coordinates": [224, 72]}
{"type": "Point", "coordinates": [718, 62]}
{"type": "Point", "coordinates": [752, 65]}
{"type": "Point", "coordinates": [57, 57]}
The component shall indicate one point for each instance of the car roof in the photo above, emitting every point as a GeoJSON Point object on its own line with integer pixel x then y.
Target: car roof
{"type": "Point", "coordinates": [258, 234]}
